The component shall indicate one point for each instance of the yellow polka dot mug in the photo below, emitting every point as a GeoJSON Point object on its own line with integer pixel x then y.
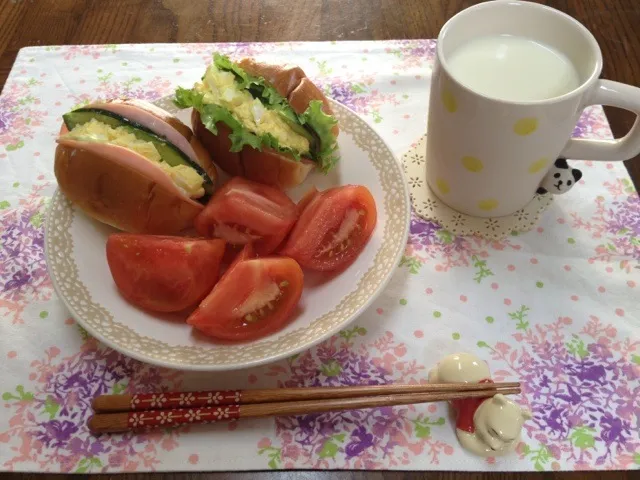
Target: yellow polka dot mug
{"type": "Point", "coordinates": [510, 82]}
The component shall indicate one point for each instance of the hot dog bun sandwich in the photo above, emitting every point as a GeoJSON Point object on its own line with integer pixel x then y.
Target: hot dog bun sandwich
{"type": "Point", "coordinates": [267, 123]}
{"type": "Point", "coordinates": [130, 164]}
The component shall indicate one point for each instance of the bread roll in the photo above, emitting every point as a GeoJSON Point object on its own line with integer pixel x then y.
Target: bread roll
{"type": "Point", "coordinates": [266, 166]}
{"type": "Point", "coordinates": [119, 187]}
{"type": "Point", "coordinates": [121, 196]}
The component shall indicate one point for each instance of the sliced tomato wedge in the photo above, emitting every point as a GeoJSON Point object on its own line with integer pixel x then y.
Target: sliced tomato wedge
{"type": "Point", "coordinates": [163, 273]}
{"type": "Point", "coordinates": [333, 228]}
{"type": "Point", "coordinates": [253, 299]}
{"type": "Point", "coordinates": [247, 253]}
{"type": "Point", "coordinates": [306, 199]}
{"type": "Point", "coordinates": [242, 211]}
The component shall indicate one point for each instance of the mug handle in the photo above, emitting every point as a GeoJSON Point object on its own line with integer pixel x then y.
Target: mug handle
{"type": "Point", "coordinates": [613, 94]}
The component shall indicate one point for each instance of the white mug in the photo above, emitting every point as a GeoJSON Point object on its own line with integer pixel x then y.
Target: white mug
{"type": "Point", "coordinates": [488, 157]}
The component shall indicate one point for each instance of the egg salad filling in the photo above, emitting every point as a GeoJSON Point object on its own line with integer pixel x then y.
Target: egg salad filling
{"type": "Point", "coordinates": [220, 88]}
{"type": "Point", "coordinates": [258, 116]}
{"type": "Point", "coordinates": [185, 178]}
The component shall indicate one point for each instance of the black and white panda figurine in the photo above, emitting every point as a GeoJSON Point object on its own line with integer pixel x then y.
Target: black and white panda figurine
{"type": "Point", "coordinates": [560, 179]}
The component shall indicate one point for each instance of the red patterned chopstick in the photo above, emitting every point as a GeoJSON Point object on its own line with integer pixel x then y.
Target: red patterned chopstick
{"type": "Point", "coordinates": [147, 419]}
{"type": "Point", "coordinates": [142, 420]}
{"type": "Point", "coordinates": [171, 400]}
{"type": "Point", "coordinates": [168, 400]}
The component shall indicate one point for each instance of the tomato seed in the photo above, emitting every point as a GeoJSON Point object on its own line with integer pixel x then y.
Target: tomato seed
{"type": "Point", "coordinates": [263, 311]}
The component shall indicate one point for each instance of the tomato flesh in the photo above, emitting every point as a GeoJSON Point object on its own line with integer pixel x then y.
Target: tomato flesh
{"type": "Point", "coordinates": [333, 228]}
{"type": "Point", "coordinates": [254, 298]}
{"type": "Point", "coordinates": [242, 211]}
{"type": "Point", "coordinates": [163, 273]}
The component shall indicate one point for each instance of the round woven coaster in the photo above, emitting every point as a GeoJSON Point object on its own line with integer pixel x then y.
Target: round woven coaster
{"type": "Point", "coordinates": [428, 206]}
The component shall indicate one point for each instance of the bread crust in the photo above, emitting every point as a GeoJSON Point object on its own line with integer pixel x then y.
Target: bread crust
{"type": "Point", "coordinates": [218, 145]}
{"type": "Point", "coordinates": [267, 166]}
{"type": "Point", "coordinates": [120, 196]}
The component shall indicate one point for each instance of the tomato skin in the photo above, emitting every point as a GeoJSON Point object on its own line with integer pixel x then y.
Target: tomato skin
{"type": "Point", "coordinates": [247, 253]}
{"type": "Point", "coordinates": [241, 204]}
{"type": "Point", "coordinates": [222, 314]}
{"type": "Point", "coordinates": [321, 219]}
{"type": "Point", "coordinates": [163, 273]}
{"type": "Point", "coordinates": [312, 193]}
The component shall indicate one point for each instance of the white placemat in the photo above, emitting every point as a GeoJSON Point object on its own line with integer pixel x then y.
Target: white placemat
{"type": "Point", "coordinates": [556, 308]}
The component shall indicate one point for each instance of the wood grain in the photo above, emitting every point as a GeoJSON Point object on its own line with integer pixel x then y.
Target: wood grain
{"type": "Point", "coordinates": [48, 22]}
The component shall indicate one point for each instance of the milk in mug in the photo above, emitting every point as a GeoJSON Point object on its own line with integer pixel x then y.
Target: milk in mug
{"type": "Point", "coordinates": [513, 68]}
{"type": "Point", "coordinates": [509, 83]}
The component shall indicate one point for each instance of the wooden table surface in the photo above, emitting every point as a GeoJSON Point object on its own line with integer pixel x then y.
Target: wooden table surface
{"type": "Point", "coordinates": [24, 23]}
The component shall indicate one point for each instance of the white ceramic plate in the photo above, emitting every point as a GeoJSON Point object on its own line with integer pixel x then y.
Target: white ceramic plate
{"type": "Point", "coordinates": [75, 252]}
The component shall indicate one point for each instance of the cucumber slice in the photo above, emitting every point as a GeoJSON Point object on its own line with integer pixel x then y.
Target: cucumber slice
{"type": "Point", "coordinates": [168, 151]}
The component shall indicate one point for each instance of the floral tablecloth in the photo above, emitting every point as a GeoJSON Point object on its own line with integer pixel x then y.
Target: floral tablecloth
{"type": "Point", "coordinates": [556, 308]}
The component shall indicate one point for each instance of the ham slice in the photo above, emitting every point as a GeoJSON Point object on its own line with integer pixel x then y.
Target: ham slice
{"type": "Point", "coordinates": [128, 158]}
{"type": "Point", "coordinates": [152, 122]}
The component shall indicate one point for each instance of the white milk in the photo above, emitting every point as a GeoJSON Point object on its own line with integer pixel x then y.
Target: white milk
{"type": "Point", "coordinates": [513, 68]}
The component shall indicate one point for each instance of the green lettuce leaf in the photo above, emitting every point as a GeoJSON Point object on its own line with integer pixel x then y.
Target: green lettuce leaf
{"type": "Point", "coordinates": [326, 154]}
{"type": "Point", "coordinates": [210, 114]}
{"type": "Point", "coordinates": [257, 86]}
{"type": "Point", "coordinates": [224, 63]}
{"type": "Point", "coordinates": [185, 98]}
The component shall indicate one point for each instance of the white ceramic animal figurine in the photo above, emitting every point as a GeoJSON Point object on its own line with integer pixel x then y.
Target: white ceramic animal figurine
{"type": "Point", "coordinates": [485, 426]}
{"type": "Point", "coordinates": [560, 179]}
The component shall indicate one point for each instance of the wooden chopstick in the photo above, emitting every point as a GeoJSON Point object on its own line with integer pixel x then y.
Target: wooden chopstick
{"type": "Point", "coordinates": [169, 400]}
{"type": "Point", "coordinates": [142, 420]}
